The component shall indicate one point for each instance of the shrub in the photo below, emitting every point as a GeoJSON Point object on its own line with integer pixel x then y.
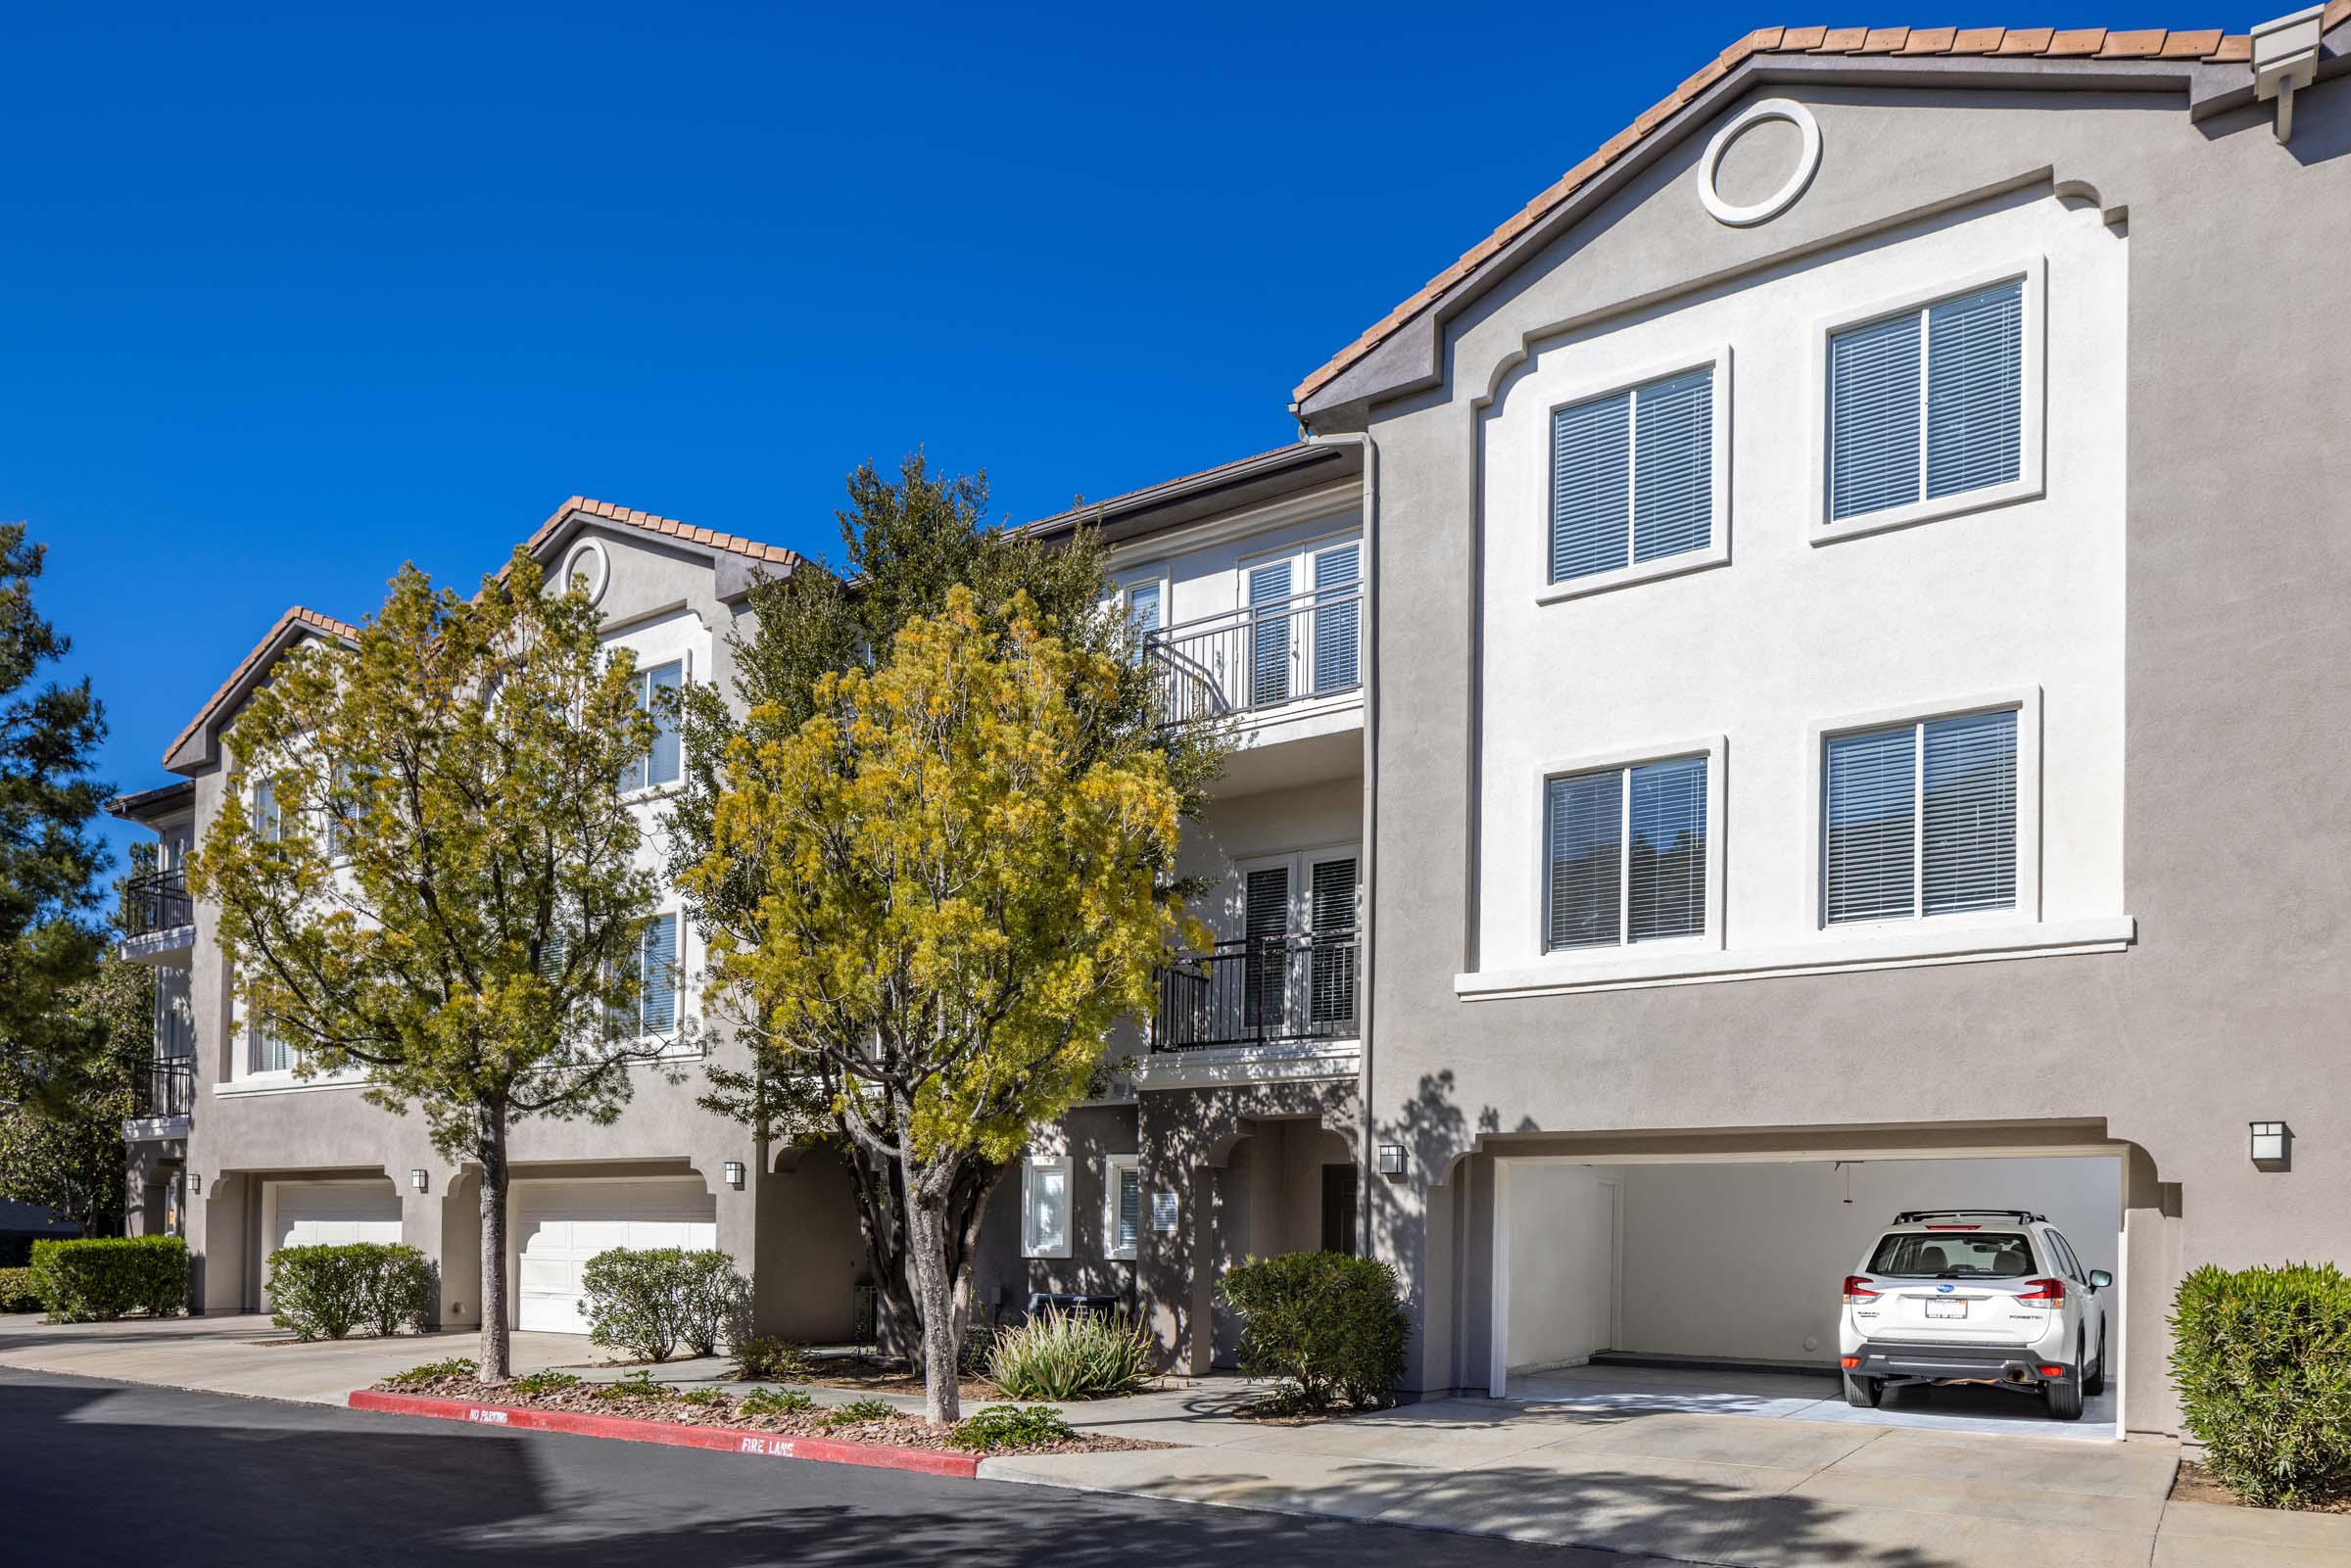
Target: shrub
{"type": "Point", "coordinates": [703, 1396]}
{"type": "Point", "coordinates": [1328, 1325]}
{"type": "Point", "coordinates": [648, 1302]}
{"type": "Point", "coordinates": [637, 1384]}
{"type": "Point", "coordinates": [857, 1413]}
{"type": "Point", "coordinates": [1010, 1426]}
{"type": "Point", "coordinates": [434, 1371]}
{"type": "Point", "coordinates": [1072, 1355]}
{"type": "Point", "coordinates": [326, 1292]}
{"type": "Point", "coordinates": [97, 1278]}
{"type": "Point", "coordinates": [758, 1357]}
{"type": "Point", "coordinates": [2263, 1360]}
{"type": "Point", "coordinates": [546, 1382]}
{"type": "Point", "coordinates": [17, 1294]}
{"type": "Point", "coordinates": [775, 1402]}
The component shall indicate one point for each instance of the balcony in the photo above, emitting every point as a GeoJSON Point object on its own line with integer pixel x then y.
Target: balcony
{"type": "Point", "coordinates": [162, 1093]}
{"type": "Point", "coordinates": [1263, 658]}
{"type": "Point", "coordinates": [158, 919]}
{"type": "Point", "coordinates": [1259, 991]}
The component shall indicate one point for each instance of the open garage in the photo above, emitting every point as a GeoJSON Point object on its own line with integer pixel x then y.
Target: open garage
{"type": "Point", "coordinates": [1718, 1284]}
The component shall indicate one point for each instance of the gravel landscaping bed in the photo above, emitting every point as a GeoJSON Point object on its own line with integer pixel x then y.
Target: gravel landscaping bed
{"type": "Point", "coordinates": [717, 1408]}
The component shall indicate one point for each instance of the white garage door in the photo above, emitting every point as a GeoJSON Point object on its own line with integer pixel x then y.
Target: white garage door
{"type": "Point", "coordinates": [319, 1214]}
{"type": "Point", "coordinates": [558, 1225]}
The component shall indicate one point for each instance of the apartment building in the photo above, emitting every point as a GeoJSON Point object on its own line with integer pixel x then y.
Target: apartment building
{"type": "Point", "coordinates": [1792, 682]}
{"type": "Point", "coordinates": [1860, 580]}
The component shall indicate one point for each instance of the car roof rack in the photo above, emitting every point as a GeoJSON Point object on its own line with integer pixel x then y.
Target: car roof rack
{"type": "Point", "coordinates": [2023, 1216]}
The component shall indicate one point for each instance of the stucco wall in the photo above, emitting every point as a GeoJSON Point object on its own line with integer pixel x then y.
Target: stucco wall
{"type": "Point", "coordinates": [2228, 1006]}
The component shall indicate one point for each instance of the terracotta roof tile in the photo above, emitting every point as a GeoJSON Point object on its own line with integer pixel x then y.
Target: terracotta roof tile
{"type": "Point", "coordinates": [668, 527]}
{"type": "Point", "coordinates": [295, 617]}
{"type": "Point", "coordinates": [2098, 43]}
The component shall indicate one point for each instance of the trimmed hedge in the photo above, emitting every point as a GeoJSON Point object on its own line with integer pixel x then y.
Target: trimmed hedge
{"type": "Point", "coordinates": [1328, 1325]}
{"type": "Point", "coordinates": [102, 1277]}
{"type": "Point", "coordinates": [325, 1292]}
{"type": "Point", "coordinates": [648, 1302]}
{"type": "Point", "coordinates": [2263, 1360]}
{"type": "Point", "coordinates": [17, 1294]}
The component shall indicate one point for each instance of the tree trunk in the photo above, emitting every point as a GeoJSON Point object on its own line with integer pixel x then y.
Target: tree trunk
{"type": "Point", "coordinates": [927, 1241]}
{"type": "Point", "coordinates": [491, 1148]}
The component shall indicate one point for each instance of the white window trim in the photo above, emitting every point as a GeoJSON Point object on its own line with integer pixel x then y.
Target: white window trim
{"type": "Point", "coordinates": [2024, 701]}
{"type": "Point", "coordinates": [1716, 749]}
{"type": "Point", "coordinates": [1029, 1246]}
{"type": "Point", "coordinates": [1126, 581]}
{"type": "Point", "coordinates": [2033, 401]}
{"type": "Point", "coordinates": [1301, 555]}
{"type": "Point", "coordinates": [683, 659]}
{"type": "Point", "coordinates": [1718, 549]}
{"type": "Point", "coordinates": [1112, 1168]}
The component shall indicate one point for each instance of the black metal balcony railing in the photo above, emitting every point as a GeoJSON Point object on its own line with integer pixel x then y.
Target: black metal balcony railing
{"type": "Point", "coordinates": [158, 902]}
{"type": "Point", "coordinates": [1259, 991]}
{"type": "Point", "coordinates": [164, 1087]}
{"type": "Point", "coordinates": [1260, 656]}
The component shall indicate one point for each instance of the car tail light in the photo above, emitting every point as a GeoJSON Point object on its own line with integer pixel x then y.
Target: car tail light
{"type": "Point", "coordinates": [1857, 1288]}
{"type": "Point", "coordinates": [2050, 1371]}
{"type": "Point", "coordinates": [1954, 1227]}
{"type": "Point", "coordinates": [1849, 1363]}
{"type": "Point", "coordinates": [2049, 1292]}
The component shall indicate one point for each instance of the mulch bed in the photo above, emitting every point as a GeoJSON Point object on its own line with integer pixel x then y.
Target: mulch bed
{"type": "Point", "coordinates": [880, 1377]}
{"type": "Point", "coordinates": [897, 1430]}
{"type": "Point", "coordinates": [2196, 1484]}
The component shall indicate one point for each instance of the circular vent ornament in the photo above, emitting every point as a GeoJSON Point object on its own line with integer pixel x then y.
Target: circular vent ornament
{"type": "Point", "coordinates": [1807, 162]}
{"type": "Point", "coordinates": [589, 566]}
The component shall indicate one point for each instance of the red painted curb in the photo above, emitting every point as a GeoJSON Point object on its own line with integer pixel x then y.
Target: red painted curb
{"type": "Point", "coordinates": [731, 1440]}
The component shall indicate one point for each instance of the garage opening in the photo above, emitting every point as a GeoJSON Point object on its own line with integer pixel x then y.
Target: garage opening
{"type": "Point", "coordinates": [323, 1213]}
{"type": "Point", "coordinates": [1720, 1285]}
{"type": "Point", "coordinates": [558, 1225]}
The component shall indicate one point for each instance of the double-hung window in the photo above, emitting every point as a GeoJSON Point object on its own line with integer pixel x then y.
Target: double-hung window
{"type": "Point", "coordinates": [1920, 818]}
{"type": "Point", "coordinates": [656, 694]}
{"type": "Point", "coordinates": [1045, 1207]}
{"type": "Point", "coordinates": [268, 822]}
{"type": "Point", "coordinates": [1122, 1205]}
{"type": "Point", "coordinates": [265, 1051]}
{"type": "Point", "coordinates": [657, 976]}
{"type": "Point", "coordinates": [1626, 854]}
{"type": "Point", "coordinates": [1635, 481]}
{"type": "Point", "coordinates": [1933, 407]}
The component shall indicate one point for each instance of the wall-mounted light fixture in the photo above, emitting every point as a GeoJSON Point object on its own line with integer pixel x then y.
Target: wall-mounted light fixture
{"type": "Point", "coordinates": [1391, 1160]}
{"type": "Point", "coordinates": [2268, 1143]}
{"type": "Point", "coordinates": [420, 1180]}
{"type": "Point", "coordinates": [195, 1183]}
{"type": "Point", "coordinates": [735, 1174]}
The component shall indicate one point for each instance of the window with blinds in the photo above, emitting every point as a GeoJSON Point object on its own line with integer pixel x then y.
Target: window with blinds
{"type": "Point", "coordinates": [1927, 404]}
{"type": "Point", "coordinates": [1920, 818]}
{"type": "Point", "coordinates": [657, 976]}
{"type": "Point", "coordinates": [1625, 855]}
{"type": "Point", "coordinates": [657, 690]}
{"type": "Point", "coordinates": [1632, 476]}
{"type": "Point", "coordinates": [1124, 1218]}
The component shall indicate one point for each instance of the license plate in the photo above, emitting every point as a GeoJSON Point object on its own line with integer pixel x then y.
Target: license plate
{"type": "Point", "coordinates": [1947, 1309]}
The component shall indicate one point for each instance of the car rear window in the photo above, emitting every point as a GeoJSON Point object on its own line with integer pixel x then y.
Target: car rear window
{"type": "Point", "coordinates": [1959, 1254]}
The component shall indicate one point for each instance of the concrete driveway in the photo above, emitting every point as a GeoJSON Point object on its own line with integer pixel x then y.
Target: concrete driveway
{"type": "Point", "coordinates": [246, 1354]}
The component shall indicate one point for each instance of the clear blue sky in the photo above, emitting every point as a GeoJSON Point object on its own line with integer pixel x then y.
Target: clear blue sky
{"type": "Point", "coordinates": [286, 301]}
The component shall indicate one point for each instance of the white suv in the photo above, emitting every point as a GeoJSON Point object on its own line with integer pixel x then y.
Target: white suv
{"type": "Point", "coordinates": [1974, 1296]}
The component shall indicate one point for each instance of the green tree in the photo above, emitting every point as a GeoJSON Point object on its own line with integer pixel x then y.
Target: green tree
{"type": "Point", "coordinates": [50, 938]}
{"type": "Point", "coordinates": [427, 871]}
{"type": "Point", "coordinates": [61, 1145]}
{"type": "Point", "coordinates": [908, 540]}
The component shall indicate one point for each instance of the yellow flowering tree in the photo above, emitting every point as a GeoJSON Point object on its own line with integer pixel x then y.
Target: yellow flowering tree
{"type": "Point", "coordinates": [963, 859]}
{"type": "Point", "coordinates": [426, 870]}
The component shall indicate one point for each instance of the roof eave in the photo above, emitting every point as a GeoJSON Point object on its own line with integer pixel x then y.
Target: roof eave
{"type": "Point", "coordinates": [1407, 356]}
{"type": "Point", "coordinates": [1228, 487]}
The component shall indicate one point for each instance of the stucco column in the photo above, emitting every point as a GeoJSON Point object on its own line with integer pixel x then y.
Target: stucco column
{"type": "Point", "coordinates": [738, 1215]}
{"type": "Point", "coordinates": [421, 1226]}
{"type": "Point", "coordinates": [2151, 1272]}
{"type": "Point", "coordinates": [216, 1219]}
